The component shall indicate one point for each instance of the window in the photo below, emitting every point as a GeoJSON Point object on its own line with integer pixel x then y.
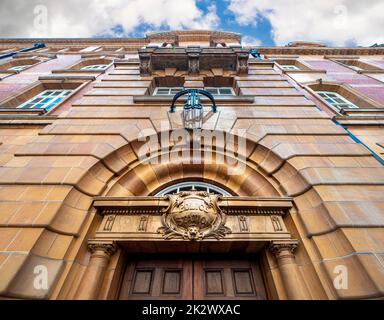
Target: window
{"type": "Point", "coordinates": [46, 99]}
{"type": "Point", "coordinates": [20, 68]}
{"type": "Point", "coordinates": [358, 65]}
{"type": "Point", "coordinates": [95, 67]}
{"type": "Point", "coordinates": [223, 91]}
{"type": "Point", "coordinates": [356, 68]}
{"type": "Point", "coordinates": [289, 67]}
{"type": "Point", "coordinates": [163, 91]}
{"type": "Point", "coordinates": [336, 100]}
{"type": "Point", "coordinates": [193, 186]}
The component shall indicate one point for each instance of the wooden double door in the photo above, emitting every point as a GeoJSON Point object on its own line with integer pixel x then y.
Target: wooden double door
{"type": "Point", "coordinates": [192, 279]}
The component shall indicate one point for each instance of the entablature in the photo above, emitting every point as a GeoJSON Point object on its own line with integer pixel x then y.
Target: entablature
{"type": "Point", "coordinates": [193, 59]}
{"type": "Point", "coordinates": [192, 216]}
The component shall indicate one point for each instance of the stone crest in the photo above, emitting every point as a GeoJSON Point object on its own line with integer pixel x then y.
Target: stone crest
{"type": "Point", "coordinates": [193, 215]}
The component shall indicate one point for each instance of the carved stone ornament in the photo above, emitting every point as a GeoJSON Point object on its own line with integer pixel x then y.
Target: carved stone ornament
{"type": "Point", "coordinates": [193, 215]}
{"type": "Point", "coordinates": [280, 248]}
{"type": "Point", "coordinates": [108, 248]}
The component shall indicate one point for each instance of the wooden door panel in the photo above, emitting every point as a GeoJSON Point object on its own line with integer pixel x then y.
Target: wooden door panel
{"type": "Point", "coordinates": [157, 279]}
{"type": "Point", "coordinates": [227, 279]}
{"type": "Point", "coordinates": [188, 279]}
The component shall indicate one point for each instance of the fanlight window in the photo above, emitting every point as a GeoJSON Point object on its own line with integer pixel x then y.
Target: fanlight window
{"type": "Point", "coordinates": [193, 186]}
{"type": "Point", "coordinates": [336, 100]}
{"type": "Point", "coordinates": [95, 67]}
{"type": "Point", "coordinates": [20, 68]}
{"type": "Point", "coordinates": [46, 99]}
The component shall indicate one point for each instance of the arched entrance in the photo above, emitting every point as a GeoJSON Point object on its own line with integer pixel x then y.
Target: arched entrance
{"type": "Point", "coordinates": [160, 251]}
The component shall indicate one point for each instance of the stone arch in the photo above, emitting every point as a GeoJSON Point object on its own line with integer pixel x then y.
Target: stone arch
{"type": "Point", "coordinates": [345, 90]}
{"type": "Point", "coordinates": [267, 165]}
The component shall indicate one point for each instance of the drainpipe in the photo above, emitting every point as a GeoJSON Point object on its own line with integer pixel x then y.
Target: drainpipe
{"type": "Point", "coordinates": [36, 46]}
{"type": "Point", "coordinates": [357, 140]}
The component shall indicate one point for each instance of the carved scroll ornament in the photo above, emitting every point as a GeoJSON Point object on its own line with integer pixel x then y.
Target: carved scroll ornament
{"type": "Point", "coordinates": [193, 216]}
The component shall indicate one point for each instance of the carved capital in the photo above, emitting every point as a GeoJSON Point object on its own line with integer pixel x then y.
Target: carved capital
{"type": "Point", "coordinates": [107, 248]}
{"type": "Point", "coordinates": [242, 62]}
{"type": "Point", "coordinates": [193, 63]}
{"type": "Point", "coordinates": [283, 248]}
{"type": "Point", "coordinates": [145, 64]}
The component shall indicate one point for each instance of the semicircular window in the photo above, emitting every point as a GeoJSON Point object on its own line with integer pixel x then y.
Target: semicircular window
{"type": "Point", "coordinates": [193, 186]}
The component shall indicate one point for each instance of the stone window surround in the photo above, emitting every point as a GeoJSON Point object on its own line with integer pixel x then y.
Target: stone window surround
{"type": "Point", "coordinates": [20, 61]}
{"type": "Point", "coordinates": [76, 67]}
{"type": "Point", "coordinates": [12, 103]}
{"type": "Point", "coordinates": [303, 67]}
{"type": "Point", "coordinates": [338, 101]}
{"type": "Point", "coordinates": [346, 91]}
{"type": "Point", "coordinates": [350, 62]}
{"type": "Point", "coordinates": [45, 100]}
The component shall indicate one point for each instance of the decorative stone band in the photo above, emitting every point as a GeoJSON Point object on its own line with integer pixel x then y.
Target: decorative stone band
{"type": "Point", "coordinates": [156, 205]}
{"type": "Point", "coordinates": [105, 248]}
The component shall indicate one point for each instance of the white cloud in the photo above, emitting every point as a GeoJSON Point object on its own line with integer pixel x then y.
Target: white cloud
{"type": "Point", "coordinates": [249, 41]}
{"type": "Point", "coordinates": [339, 22]}
{"type": "Point", "coordinates": [86, 18]}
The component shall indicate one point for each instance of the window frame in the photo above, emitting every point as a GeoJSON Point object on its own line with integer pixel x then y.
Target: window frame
{"type": "Point", "coordinates": [95, 67]}
{"type": "Point", "coordinates": [289, 67]}
{"type": "Point", "coordinates": [53, 101]}
{"type": "Point", "coordinates": [218, 91]}
{"type": "Point", "coordinates": [176, 187]}
{"type": "Point", "coordinates": [155, 92]}
{"type": "Point", "coordinates": [19, 68]}
{"type": "Point", "coordinates": [327, 95]}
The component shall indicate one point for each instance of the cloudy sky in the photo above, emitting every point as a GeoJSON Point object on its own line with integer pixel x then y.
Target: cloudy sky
{"type": "Point", "coordinates": [261, 22]}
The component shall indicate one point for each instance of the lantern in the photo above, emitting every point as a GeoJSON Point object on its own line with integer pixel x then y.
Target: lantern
{"type": "Point", "coordinates": [193, 111]}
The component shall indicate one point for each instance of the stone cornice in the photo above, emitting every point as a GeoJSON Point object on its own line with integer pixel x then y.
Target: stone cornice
{"type": "Point", "coordinates": [138, 42]}
{"type": "Point", "coordinates": [155, 205]}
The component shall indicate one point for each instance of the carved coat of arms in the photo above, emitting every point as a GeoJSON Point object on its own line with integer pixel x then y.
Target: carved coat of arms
{"type": "Point", "coordinates": [193, 215]}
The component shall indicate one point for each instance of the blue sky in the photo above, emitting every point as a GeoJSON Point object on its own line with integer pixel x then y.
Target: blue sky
{"type": "Point", "coordinates": [261, 31]}
{"type": "Point", "coordinates": [261, 22]}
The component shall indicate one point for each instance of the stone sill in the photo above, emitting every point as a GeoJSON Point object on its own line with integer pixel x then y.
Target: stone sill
{"type": "Point", "coordinates": [154, 99]}
{"type": "Point", "coordinates": [370, 71]}
{"type": "Point", "coordinates": [14, 111]}
{"type": "Point", "coordinates": [125, 63]}
{"type": "Point", "coordinates": [66, 78]}
{"type": "Point", "coordinates": [303, 71]}
{"type": "Point", "coordinates": [114, 54]}
{"type": "Point", "coordinates": [253, 62]}
{"type": "Point", "coordinates": [78, 71]}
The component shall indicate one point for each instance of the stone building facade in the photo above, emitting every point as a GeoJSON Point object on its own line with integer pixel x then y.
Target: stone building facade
{"type": "Point", "coordinates": [290, 206]}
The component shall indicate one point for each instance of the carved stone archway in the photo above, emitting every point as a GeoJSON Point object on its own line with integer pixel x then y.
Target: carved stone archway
{"type": "Point", "coordinates": [123, 199]}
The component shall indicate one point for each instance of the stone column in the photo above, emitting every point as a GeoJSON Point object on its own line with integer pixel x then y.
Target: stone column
{"type": "Point", "coordinates": [94, 274]}
{"type": "Point", "coordinates": [292, 279]}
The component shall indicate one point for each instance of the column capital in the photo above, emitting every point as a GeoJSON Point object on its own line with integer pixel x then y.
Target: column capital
{"type": "Point", "coordinates": [108, 247]}
{"type": "Point", "coordinates": [278, 247]}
